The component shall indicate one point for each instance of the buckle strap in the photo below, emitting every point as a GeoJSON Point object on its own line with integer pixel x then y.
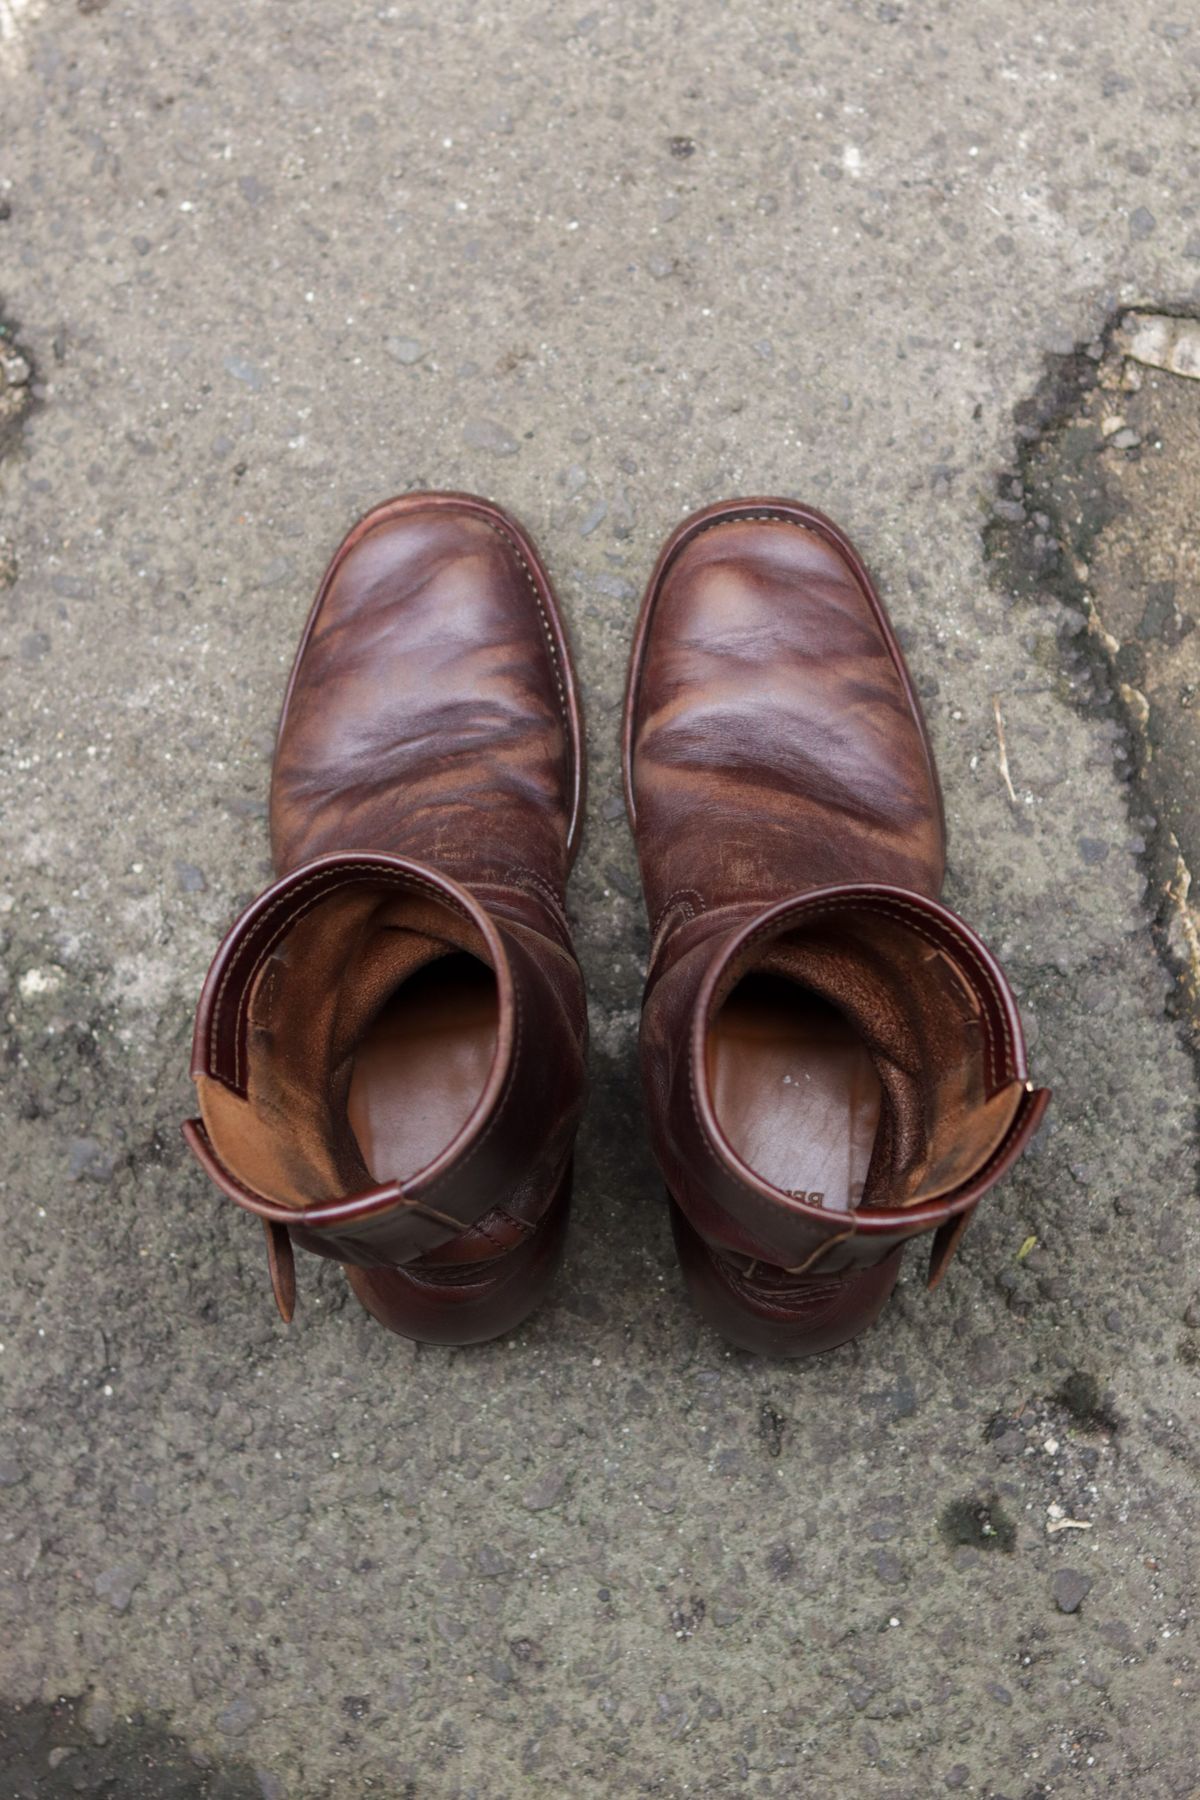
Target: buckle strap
{"type": "Point", "coordinates": [946, 1240]}
{"type": "Point", "coordinates": [281, 1261]}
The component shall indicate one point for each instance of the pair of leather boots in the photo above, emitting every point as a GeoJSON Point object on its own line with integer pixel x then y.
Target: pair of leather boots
{"type": "Point", "coordinates": [390, 1046]}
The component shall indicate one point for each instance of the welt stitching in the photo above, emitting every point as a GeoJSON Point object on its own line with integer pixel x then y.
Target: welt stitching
{"type": "Point", "coordinates": [521, 1225]}
{"type": "Point", "coordinates": [544, 887]}
{"type": "Point", "coordinates": [658, 937]}
{"type": "Point", "coordinates": [344, 876]}
{"type": "Point", "coordinates": [813, 527]}
{"type": "Point", "coordinates": [482, 1228]}
{"type": "Point", "coordinates": [772, 518]}
{"type": "Point", "coordinates": [549, 635]}
{"type": "Point", "coordinates": [680, 894]}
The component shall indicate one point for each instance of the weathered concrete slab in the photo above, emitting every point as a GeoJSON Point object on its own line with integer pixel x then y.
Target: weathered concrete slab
{"type": "Point", "coordinates": [268, 264]}
{"type": "Point", "coordinates": [1102, 515]}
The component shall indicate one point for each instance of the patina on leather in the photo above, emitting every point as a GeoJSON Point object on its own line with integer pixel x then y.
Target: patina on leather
{"type": "Point", "coordinates": [789, 826]}
{"type": "Point", "coordinates": [389, 1049]}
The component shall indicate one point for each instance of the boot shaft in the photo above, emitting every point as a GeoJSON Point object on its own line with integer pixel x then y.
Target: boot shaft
{"type": "Point", "coordinates": [861, 1032]}
{"type": "Point", "coordinates": [286, 1019]}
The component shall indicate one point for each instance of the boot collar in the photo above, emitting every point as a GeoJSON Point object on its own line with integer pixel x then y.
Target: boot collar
{"type": "Point", "coordinates": [219, 1043]}
{"type": "Point", "coordinates": [1005, 1065]}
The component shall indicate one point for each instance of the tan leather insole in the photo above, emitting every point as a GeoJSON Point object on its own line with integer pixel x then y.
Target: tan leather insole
{"type": "Point", "coordinates": [795, 1090]}
{"type": "Point", "coordinates": [422, 1066]}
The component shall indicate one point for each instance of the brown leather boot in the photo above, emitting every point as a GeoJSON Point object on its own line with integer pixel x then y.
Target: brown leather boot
{"type": "Point", "coordinates": [833, 1062]}
{"type": "Point", "coordinates": [389, 1048]}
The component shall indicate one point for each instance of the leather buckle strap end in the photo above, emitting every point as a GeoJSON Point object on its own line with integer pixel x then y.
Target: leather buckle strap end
{"type": "Point", "coordinates": [281, 1261]}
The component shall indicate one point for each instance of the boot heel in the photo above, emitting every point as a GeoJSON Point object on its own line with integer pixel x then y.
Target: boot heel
{"type": "Point", "coordinates": [773, 1313]}
{"type": "Point", "coordinates": [469, 1303]}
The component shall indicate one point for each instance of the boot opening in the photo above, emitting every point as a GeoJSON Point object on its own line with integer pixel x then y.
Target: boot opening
{"type": "Point", "coordinates": [849, 1060]}
{"type": "Point", "coordinates": [421, 1067]}
{"type": "Point", "coordinates": [373, 1038]}
{"type": "Point", "coordinates": [795, 1090]}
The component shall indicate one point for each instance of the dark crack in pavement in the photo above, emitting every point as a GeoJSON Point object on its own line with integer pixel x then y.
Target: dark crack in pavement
{"type": "Point", "coordinates": [16, 403]}
{"type": "Point", "coordinates": [1101, 517]}
{"type": "Point", "coordinates": [74, 1745]}
{"type": "Point", "coordinates": [16, 385]}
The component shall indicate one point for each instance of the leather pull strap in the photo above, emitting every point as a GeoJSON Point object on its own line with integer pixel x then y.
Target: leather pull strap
{"type": "Point", "coordinates": [282, 1263]}
{"type": "Point", "coordinates": [945, 1242]}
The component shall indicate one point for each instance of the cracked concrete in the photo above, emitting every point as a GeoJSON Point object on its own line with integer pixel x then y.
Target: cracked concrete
{"type": "Point", "coordinates": [270, 264]}
{"type": "Point", "coordinates": [1100, 516]}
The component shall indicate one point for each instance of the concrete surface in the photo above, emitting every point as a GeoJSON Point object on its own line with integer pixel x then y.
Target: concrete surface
{"type": "Point", "coordinates": [268, 264]}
